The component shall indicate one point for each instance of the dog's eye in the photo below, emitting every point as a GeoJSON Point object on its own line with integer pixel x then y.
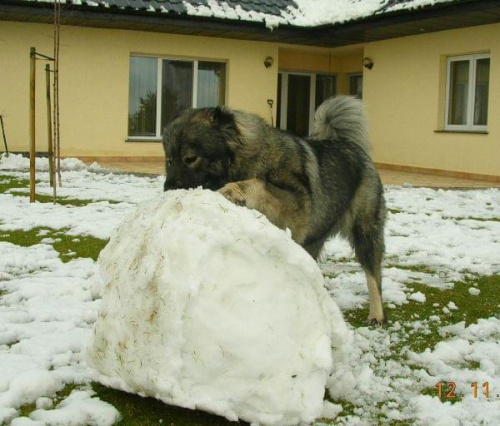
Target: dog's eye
{"type": "Point", "coordinates": [191, 159]}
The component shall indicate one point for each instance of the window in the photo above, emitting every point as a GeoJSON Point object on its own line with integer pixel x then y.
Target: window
{"type": "Point", "coordinates": [325, 88]}
{"type": "Point", "coordinates": [160, 89]}
{"type": "Point", "coordinates": [356, 85]}
{"type": "Point", "coordinates": [467, 85]}
{"type": "Point", "coordinates": [299, 94]}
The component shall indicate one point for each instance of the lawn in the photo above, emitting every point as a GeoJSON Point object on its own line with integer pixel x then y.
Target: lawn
{"type": "Point", "coordinates": [441, 289]}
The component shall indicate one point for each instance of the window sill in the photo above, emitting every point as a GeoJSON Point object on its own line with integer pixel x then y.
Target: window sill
{"type": "Point", "coordinates": [479, 132]}
{"type": "Point", "coordinates": [148, 140]}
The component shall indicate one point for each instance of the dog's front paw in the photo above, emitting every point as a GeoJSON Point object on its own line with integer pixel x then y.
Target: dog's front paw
{"type": "Point", "coordinates": [234, 192]}
{"type": "Point", "coordinates": [376, 322]}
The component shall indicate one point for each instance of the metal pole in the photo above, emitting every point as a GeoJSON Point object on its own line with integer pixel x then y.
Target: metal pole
{"type": "Point", "coordinates": [32, 123]}
{"type": "Point", "coordinates": [50, 147]}
{"type": "Point", "coordinates": [4, 137]}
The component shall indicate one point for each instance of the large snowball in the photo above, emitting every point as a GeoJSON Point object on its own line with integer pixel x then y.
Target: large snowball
{"type": "Point", "coordinates": [207, 305]}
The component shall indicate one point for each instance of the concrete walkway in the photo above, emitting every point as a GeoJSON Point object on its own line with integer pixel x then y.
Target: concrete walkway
{"type": "Point", "coordinates": [393, 177]}
{"type": "Point", "coordinates": [389, 177]}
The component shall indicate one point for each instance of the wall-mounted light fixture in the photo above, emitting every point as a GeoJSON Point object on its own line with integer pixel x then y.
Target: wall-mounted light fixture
{"type": "Point", "coordinates": [368, 63]}
{"type": "Point", "coordinates": [268, 61]}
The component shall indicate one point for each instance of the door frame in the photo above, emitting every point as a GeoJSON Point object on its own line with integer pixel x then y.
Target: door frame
{"type": "Point", "coordinates": [284, 97]}
{"type": "Point", "coordinates": [312, 94]}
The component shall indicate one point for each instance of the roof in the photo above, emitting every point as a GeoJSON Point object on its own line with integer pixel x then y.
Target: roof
{"type": "Point", "coordinates": [328, 23]}
{"type": "Point", "coordinates": [302, 13]}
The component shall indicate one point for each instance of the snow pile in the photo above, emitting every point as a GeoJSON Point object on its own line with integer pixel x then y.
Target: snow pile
{"type": "Point", "coordinates": [18, 162]}
{"type": "Point", "coordinates": [207, 305]}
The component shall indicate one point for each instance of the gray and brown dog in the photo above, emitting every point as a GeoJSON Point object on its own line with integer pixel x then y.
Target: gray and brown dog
{"type": "Point", "coordinates": [319, 187]}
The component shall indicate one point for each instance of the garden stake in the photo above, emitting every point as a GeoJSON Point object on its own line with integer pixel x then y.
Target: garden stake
{"type": "Point", "coordinates": [33, 57]}
{"type": "Point", "coordinates": [32, 123]}
{"type": "Point", "coordinates": [4, 137]}
{"type": "Point", "coordinates": [50, 144]}
{"type": "Point", "coordinates": [57, 140]}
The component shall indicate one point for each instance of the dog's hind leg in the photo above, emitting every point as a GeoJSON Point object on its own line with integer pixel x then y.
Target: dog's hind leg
{"type": "Point", "coordinates": [368, 241]}
{"type": "Point", "coordinates": [376, 315]}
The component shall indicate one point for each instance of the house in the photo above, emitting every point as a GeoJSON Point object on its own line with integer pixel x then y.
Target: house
{"type": "Point", "coordinates": [428, 72]}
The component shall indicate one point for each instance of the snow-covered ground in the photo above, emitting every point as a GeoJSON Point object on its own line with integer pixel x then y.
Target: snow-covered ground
{"type": "Point", "coordinates": [434, 237]}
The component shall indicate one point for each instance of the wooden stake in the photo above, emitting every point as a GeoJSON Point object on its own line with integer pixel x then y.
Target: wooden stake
{"type": "Point", "coordinates": [4, 137]}
{"type": "Point", "coordinates": [32, 123]}
{"type": "Point", "coordinates": [50, 144]}
{"type": "Point", "coordinates": [56, 130]}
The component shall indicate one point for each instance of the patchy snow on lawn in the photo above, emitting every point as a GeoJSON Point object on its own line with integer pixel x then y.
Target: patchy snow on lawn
{"type": "Point", "coordinates": [433, 237]}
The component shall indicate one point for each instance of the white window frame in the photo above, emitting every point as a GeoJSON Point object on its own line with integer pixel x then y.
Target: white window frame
{"type": "Point", "coordinates": [159, 64]}
{"type": "Point", "coordinates": [284, 96]}
{"type": "Point", "coordinates": [356, 74]}
{"type": "Point", "coordinates": [471, 96]}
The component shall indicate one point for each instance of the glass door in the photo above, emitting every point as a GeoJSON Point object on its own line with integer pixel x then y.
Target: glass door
{"type": "Point", "coordinates": [299, 95]}
{"type": "Point", "coordinates": [299, 104]}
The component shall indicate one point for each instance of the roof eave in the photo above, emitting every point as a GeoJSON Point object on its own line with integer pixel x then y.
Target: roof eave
{"type": "Point", "coordinates": [427, 19]}
{"type": "Point", "coordinates": [441, 16]}
{"type": "Point", "coordinates": [131, 19]}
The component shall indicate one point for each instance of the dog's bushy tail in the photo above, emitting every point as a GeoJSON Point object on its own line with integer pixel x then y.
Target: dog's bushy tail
{"type": "Point", "coordinates": [341, 117]}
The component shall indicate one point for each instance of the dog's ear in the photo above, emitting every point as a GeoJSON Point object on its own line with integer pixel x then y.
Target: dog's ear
{"type": "Point", "coordinates": [222, 116]}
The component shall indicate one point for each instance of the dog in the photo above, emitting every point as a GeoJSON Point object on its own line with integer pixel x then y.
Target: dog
{"type": "Point", "coordinates": [317, 187]}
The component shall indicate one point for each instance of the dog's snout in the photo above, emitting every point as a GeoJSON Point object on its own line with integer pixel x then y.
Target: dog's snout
{"type": "Point", "coordinates": [171, 184]}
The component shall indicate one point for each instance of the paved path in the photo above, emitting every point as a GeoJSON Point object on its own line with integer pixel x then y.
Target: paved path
{"type": "Point", "coordinates": [389, 177]}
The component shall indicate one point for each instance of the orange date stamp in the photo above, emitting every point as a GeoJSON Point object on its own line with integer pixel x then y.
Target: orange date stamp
{"type": "Point", "coordinates": [447, 390]}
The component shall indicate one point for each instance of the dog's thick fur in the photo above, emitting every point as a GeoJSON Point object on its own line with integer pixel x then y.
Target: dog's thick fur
{"type": "Point", "coordinates": [319, 187]}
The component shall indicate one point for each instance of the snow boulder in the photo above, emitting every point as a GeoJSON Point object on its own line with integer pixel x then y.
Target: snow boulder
{"type": "Point", "coordinates": [207, 305]}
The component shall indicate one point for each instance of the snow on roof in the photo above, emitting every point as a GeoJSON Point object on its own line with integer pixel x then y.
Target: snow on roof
{"type": "Point", "coordinates": [323, 12]}
{"type": "Point", "coordinates": [304, 13]}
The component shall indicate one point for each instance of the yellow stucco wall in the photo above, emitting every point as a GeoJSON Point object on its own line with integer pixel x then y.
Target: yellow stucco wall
{"type": "Point", "coordinates": [340, 62]}
{"type": "Point", "coordinates": [333, 60]}
{"type": "Point", "coordinates": [94, 82]}
{"type": "Point", "coordinates": [404, 93]}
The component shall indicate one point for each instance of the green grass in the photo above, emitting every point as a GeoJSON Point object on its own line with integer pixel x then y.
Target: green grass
{"type": "Point", "coordinates": [65, 201]}
{"type": "Point", "coordinates": [64, 393]}
{"type": "Point", "coordinates": [86, 246]}
{"type": "Point", "coordinates": [8, 182]}
{"type": "Point", "coordinates": [138, 411]}
{"type": "Point", "coordinates": [471, 309]}
{"type": "Point", "coordinates": [26, 409]}
{"type": "Point", "coordinates": [11, 183]}
{"type": "Point", "coordinates": [479, 219]}
{"type": "Point", "coordinates": [448, 394]}
{"type": "Point", "coordinates": [394, 211]}
{"type": "Point", "coordinates": [484, 305]}
{"type": "Point", "coordinates": [415, 268]}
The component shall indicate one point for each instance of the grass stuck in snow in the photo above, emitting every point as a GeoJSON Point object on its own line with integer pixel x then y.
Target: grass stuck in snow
{"type": "Point", "coordinates": [437, 359]}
